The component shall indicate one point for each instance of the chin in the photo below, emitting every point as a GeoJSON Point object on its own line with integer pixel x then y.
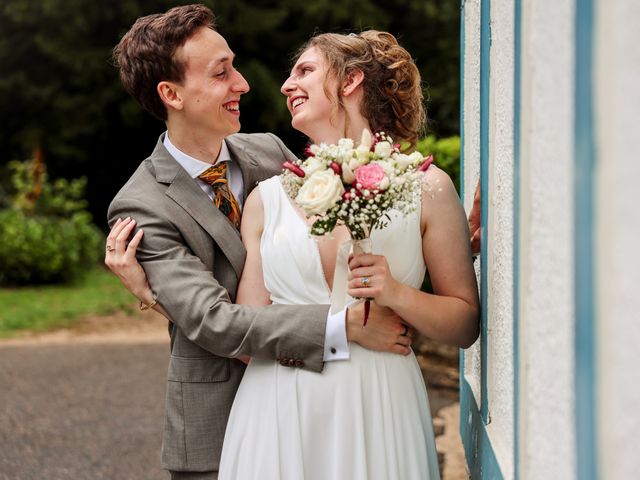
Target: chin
{"type": "Point", "coordinates": [233, 129]}
{"type": "Point", "coordinates": [301, 126]}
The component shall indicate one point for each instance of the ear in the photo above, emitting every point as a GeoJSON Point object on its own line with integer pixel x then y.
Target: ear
{"type": "Point", "coordinates": [353, 81]}
{"type": "Point", "coordinates": [170, 95]}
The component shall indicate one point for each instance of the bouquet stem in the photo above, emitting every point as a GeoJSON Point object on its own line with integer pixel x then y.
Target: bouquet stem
{"type": "Point", "coordinates": [367, 306]}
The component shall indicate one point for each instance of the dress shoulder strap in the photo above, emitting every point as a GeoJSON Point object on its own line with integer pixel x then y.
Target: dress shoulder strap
{"type": "Point", "coordinates": [271, 200]}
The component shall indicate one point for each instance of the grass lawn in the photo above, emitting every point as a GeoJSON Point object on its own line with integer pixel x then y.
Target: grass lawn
{"type": "Point", "coordinates": [45, 307]}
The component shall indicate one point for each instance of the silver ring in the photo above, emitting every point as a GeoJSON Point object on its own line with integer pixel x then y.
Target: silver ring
{"type": "Point", "coordinates": [365, 282]}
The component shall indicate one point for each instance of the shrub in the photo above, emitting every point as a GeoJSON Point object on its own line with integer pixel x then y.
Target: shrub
{"type": "Point", "coordinates": [46, 234]}
{"type": "Point", "coordinates": [446, 154]}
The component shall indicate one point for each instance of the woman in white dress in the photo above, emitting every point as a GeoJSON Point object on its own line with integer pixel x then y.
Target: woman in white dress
{"type": "Point", "coordinates": [367, 417]}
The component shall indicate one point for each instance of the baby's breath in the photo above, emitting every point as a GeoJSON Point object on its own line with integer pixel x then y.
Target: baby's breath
{"type": "Point", "coordinates": [362, 207]}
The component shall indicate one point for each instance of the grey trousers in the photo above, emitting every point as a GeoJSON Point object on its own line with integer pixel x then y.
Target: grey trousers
{"type": "Point", "coordinates": [193, 475]}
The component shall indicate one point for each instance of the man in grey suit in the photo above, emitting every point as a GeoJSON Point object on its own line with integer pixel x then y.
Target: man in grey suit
{"type": "Point", "coordinates": [181, 71]}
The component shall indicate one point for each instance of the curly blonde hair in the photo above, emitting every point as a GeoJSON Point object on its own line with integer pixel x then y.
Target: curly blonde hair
{"type": "Point", "coordinates": [393, 101]}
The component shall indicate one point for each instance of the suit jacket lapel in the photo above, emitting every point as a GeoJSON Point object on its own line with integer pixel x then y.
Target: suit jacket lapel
{"type": "Point", "coordinates": [246, 160]}
{"type": "Point", "coordinates": [187, 193]}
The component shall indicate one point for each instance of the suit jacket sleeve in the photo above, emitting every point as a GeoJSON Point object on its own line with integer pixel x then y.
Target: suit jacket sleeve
{"type": "Point", "coordinates": [201, 307]}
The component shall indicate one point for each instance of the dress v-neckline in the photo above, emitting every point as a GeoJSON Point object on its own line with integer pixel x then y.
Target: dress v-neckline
{"type": "Point", "coordinates": [316, 247]}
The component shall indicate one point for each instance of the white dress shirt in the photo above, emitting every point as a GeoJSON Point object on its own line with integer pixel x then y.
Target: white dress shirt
{"type": "Point", "coordinates": [335, 339]}
{"type": "Point", "coordinates": [195, 167]}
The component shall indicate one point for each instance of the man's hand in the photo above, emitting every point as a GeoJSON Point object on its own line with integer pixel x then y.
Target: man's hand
{"type": "Point", "coordinates": [385, 331]}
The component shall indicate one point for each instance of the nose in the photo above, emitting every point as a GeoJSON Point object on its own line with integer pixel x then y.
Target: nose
{"type": "Point", "coordinates": [288, 86]}
{"type": "Point", "coordinates": [240, 85]}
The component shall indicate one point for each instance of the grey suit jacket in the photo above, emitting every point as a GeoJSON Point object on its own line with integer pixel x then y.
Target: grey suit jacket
{"type": "Point", "coordinates": [193, 257]}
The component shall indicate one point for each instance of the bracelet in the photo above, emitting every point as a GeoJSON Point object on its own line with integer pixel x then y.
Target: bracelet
{"type": "Point", "coordinates": [144, 306]}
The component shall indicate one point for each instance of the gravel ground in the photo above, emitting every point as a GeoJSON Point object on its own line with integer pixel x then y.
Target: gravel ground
{"type": "Point", "coordinates": [87, 403]}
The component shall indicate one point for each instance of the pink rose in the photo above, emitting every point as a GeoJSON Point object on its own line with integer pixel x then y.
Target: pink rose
{"type": "Point", "coordinates": [369, 176]}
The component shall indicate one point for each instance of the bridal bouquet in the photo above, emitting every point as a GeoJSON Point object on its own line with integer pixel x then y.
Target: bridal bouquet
{"type": "Point", "coordinates": [354, 186]}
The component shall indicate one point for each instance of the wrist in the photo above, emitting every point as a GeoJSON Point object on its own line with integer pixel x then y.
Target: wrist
{"type": "Point", "coordinates": [147, 305]}
{"type": "Point", "coordinates": [350, 326]}
{"type": "Point", "coordinates": [396, 295]}
{"type": "Point", "coordinates": [145, 296]}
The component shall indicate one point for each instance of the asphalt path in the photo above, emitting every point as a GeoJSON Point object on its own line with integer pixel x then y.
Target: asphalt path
{"type": "Point", "coordinates": [88, 403]}
{"type": "Point", "coordinates": [82, 411]}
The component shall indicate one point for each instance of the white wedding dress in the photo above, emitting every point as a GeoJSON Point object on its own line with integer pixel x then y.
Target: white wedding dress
{"type": "Point", "coordinates": [366, 418]}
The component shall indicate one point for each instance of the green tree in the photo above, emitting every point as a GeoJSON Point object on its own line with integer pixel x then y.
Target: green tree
{"type": "Point", "coordinates": [61, 91]}
{"type": "Point", "coordinates": [46, 235]}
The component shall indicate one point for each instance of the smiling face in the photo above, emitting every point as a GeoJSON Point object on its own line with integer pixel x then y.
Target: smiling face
{"type": "Point", "coordinates": [312, 112]}
{"type": "Point", "coordinates": [211, 89]}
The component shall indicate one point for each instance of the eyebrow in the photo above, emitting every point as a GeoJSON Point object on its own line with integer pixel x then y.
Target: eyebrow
{"type": "Point", "coordinates": [303, 64]}
{"type": "Point", "coordinates": [223, 59]}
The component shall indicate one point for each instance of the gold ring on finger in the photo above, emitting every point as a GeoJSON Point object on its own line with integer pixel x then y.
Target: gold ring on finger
{"type": "Point", "coordinates": [365, 282]}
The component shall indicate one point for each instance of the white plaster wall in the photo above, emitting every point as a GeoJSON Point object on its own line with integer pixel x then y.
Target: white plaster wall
{"type": "Point", "coordinates": [471, 107]}
{"type": "Point", "coordinates": [617, 222]}
{"type": "Point", "coordinates": [500, 235]}
{"type": "Point", "coordinates": [546, 352]}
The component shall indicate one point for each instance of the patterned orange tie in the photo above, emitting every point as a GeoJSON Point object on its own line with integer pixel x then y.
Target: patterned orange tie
{"type": "Point", "coordinates": [223, 199]}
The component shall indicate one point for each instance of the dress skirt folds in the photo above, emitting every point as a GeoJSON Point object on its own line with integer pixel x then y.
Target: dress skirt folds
{"type": "Point", "coordinates": [365, 418]}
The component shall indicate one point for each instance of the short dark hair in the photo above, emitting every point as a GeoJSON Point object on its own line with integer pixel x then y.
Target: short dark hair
{"type": "Point", "coordinates": [146, 53]}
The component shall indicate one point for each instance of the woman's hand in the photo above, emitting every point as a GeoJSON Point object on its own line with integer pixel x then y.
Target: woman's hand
{"type": "Point", "coordinates": [474, 222]}
{"type": "Point", "coordinates": [121, 259]}
{"type": "Point", "coordinates": [370, 277]}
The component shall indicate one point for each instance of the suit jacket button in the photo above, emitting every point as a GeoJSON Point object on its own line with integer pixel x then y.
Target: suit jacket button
{"type": "Point", "coordinates": [292, 362]}
{"type": "Point", "coordinates": [284, 361]}
{"type": "Point", "coordinates": [299, 363]}
{"type": "Point", "coordinates": [333, 350]}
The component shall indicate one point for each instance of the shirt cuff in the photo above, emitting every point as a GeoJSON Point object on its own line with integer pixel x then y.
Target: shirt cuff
{"type": "Point", "coordinates": [335, 337]}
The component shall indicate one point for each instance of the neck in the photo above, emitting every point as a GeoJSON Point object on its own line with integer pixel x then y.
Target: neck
{"type": "Point", "coordinates": [194, 143]}
{"type": "Point", "coordinates": [351, 129]}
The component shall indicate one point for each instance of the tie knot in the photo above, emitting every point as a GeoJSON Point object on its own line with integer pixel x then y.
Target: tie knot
{"type": "Point", "coordinates": [215, 175]}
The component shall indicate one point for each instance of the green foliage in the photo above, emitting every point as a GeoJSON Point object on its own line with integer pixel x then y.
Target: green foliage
{"type": "Point", "coordinates": [46, 235]}
{"type": "Point", "coordinates": [446, 154]}
{"type": "Point", "coordinates": [55, 67]}
{"type": "Point", "coordinates": [58, 199]}
{"type": "Point", "coordinates": [44, 307]}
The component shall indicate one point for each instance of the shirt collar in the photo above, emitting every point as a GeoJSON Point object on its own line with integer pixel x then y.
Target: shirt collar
{"type": "Point", "coordinates": [193, 166]}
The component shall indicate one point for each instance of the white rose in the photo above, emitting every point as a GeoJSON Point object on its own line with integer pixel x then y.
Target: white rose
{"type": "Point", "coordinates": [320, 192]}
{"type": "Point", "coordinates": [312, 165]}
{"type": "Point", "coordinates": [383, 149]}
